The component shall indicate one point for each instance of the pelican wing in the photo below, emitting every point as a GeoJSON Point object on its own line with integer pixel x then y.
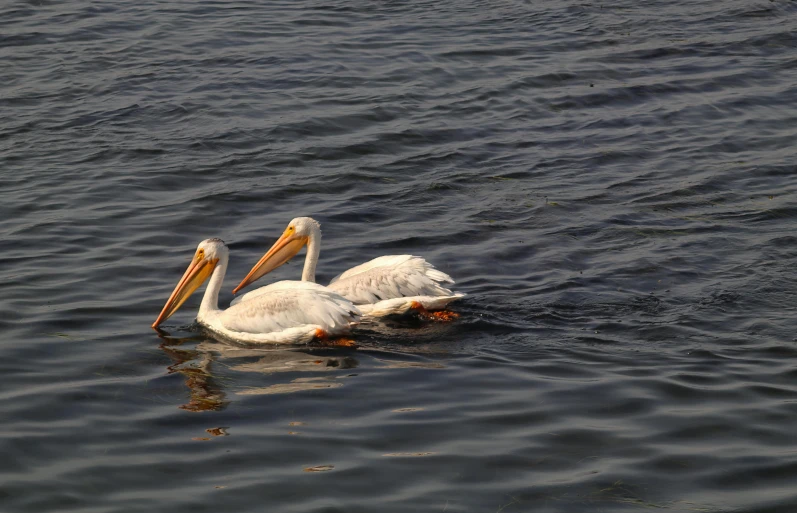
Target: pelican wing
{"type": "Point", "coordinates": [389, 277]}
{"type": "Point", "coordinates": [288, 304]}
{"type": "Point", "coordinates": [277, 286]}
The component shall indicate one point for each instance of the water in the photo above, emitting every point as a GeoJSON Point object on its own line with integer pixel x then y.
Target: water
{"type": "Point", "coordinates": [612, 185]}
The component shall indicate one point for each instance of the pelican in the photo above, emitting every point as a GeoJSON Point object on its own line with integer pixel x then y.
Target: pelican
{"type": "Point", "coordinates": [387, 285]}
{"type": "Point", "coordinates": [285, 312]}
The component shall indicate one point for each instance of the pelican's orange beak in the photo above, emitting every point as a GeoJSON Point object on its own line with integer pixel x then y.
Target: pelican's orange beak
{"type": "Point", "coordinates": [198, 271]}
{"type": "Point", "coordinates": [283, 250]}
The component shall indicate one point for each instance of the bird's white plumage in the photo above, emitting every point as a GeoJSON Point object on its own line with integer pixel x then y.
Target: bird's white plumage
{"type": "Point", "coordinates": [390, 277]}
{"type": "Point", "coordinates": [401, 305]}
{"type": "Point", "coordinates": [277, 286]}
{"type": "Point", "coordinates": [284, 312]}
{"type": "Point", "coordinates": [284, 305]}
{"type": "Point", "coordinates": [386, 285]}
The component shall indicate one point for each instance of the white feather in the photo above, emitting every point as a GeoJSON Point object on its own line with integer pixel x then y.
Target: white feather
{"type": "Point", "coordinates": [289, 304]}
{"type": "Point", "coordinates": [402, 305]}
{"type": "Point", "coordinates": [284, 312]}
{"type": "Point", "coordinates": [280, 285]}
{"type": "Point", "coordinates": [391, 277]}
{"type": "Point", "coordinates": [402, 277]}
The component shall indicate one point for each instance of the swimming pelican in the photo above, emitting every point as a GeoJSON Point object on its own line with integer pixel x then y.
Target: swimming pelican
{"type": "Point", "coordinates": [286, 312]}
{"type": "Point", "coordinates": [390, 284]}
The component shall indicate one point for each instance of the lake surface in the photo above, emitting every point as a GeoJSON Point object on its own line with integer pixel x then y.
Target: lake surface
{"type": "Point", "coordinates": [612, 184]}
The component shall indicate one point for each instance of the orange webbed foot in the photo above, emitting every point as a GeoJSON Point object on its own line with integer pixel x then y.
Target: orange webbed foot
{"type": "Point", "coordinates": [444, 315]}
{"type": "Point", "coordinates": [322, 338]}
{"type": "Point", "coordinates": [438, 316]}
{"type": "Point", "coordinates": [338, 342]}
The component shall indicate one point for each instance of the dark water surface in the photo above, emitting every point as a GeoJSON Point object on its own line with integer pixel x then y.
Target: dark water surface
{"type": "Point", "coordinates": [613, 185]}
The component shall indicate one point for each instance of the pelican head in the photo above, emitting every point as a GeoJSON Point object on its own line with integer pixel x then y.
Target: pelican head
{"type": "Point", "coordinates": [298, 234]}
{"type": "Point", "coordinates": [206, 257]}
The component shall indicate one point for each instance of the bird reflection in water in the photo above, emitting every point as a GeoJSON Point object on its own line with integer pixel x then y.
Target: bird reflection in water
{"type": "Point", "coordinates": [193, 356]}
{"type": "Point", "coordinates": [194, 365]}
{"type": "Point", "coordinates": [280, 360]}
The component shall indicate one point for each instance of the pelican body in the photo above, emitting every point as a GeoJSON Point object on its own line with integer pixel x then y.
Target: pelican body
{"type": "Point", "coordinates": [386, 285]}
{"type": "Point", "coordinates": [286, 312]}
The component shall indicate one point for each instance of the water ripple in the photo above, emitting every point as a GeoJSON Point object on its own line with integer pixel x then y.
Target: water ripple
{"type": "Point", "coordinates": [610, 184]}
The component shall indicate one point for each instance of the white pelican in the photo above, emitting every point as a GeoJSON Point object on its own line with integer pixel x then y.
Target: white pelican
{"type": "Point", "coordinates": [285, 312]}
{"type": "Point", "coordinates": [390, 284]}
